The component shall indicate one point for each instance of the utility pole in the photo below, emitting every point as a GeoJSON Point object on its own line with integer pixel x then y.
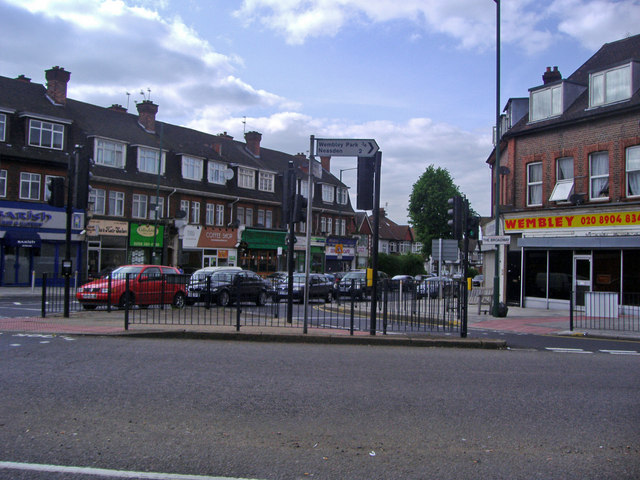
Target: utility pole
{"type": "Point", "coordinates": [496, 170]}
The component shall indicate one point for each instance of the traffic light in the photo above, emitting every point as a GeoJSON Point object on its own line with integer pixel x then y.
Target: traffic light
{"type": "Point", "coordinates": [288, 192]}
{"type": "Point", "coordinates": [83, 178]}
{"type": "Point", "coordinates": [299, 209]}
{"type": "Point", "coordinates": [473, 227]}
{"type": "Point", "coordinates": [56, 192]}
{"type": "Point", "coordinates": [457, 214]}
{"type": "Point", "coordinates": [366, 170]}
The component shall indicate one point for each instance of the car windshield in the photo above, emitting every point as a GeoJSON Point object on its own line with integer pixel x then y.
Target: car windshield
{"type": "Point", "coordinates": [125, 270]}
{"type": "Point", "coordinates": [201, 274]}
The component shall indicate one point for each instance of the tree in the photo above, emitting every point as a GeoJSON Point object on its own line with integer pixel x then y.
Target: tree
{"type": "Point", "coordinates": [428, 205]}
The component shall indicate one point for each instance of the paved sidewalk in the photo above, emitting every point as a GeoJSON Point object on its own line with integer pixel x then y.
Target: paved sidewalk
{"type": "Point", "coordinates": [101, 322]}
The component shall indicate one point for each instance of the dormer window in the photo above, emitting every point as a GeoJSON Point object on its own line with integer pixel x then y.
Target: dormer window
{"type": "Point", "coordinates": [149, 159]}
{"type": "Point", "coordinates": [328, 193]}
{"type": "Point", "coordinates": [110, 153]}
{"type": "Point", "coordinates": [266, 181]}
{"type": "Point", "coordinates": [45, 134]}
{"type": "Point", "coordinates": [246, 178]}
{"type": "Point", "coordinates": [191, 168]}
{"type": "Point", "coordinates": [545, 103]}
{"type": "Point", "coordinates": [3, 126]}
{"type": "Point", "coordinates": [610, 86]}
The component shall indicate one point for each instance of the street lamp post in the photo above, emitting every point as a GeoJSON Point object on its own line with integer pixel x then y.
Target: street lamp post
{"type": "Point", "coordinates": [496, 170]}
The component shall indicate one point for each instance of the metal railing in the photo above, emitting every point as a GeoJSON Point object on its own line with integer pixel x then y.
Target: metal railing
{"type": "Point", "coordinates": [432, 308]}
{"type": "Point", "coordinates": [605, 311]}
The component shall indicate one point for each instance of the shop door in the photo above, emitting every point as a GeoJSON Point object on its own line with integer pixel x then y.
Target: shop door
{"type": "Point", "coordinates": [581, 277]}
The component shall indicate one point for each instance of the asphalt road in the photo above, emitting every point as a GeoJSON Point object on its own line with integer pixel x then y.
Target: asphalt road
{"type": "Point", "coordinates": [290, 411]}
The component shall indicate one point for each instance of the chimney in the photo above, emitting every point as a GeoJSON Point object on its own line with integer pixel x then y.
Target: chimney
{"type": "Point", "coordinates": [253, 142]}
{"type": "Point", "coordinates": [116, 107]}
{"type": "Point", "coordinates": [24, 79]}
{"type": "Point", "coordinates": [57, 79]}
{"type": "Point", "coordinates": [147, 115]}
{"type": "Point", "coordinates": [326, 163]}
{"type": "Point", "coordinates": [217, 144]}
{"type": "Point", "coordinates": [551, 76]}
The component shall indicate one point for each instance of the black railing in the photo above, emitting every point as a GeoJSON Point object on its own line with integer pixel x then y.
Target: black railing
{"type": "Point", "coordinates": [431, 307]}
{"type": "Point", "coordinates": [605, 311]}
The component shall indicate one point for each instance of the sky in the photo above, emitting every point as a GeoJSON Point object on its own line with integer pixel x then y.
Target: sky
{"type": "Point", "coordinates": [417, 76]}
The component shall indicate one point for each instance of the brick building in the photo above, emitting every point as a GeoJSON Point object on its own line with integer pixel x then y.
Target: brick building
{"type": "Point", "coordinates": [570, 183]}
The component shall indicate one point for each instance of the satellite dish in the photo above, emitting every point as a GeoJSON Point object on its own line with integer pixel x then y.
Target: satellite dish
{"type": "Point", "coordinates": [228, 174]}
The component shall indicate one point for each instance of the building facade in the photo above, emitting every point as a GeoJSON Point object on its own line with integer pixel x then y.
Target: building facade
{"type": "Point", "coordinates": [159, 193]}
{"type": "Point", "coordinates": [570, 184]}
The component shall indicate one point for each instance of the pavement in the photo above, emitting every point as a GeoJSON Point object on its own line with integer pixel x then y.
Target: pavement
{"type": "Point", "coordinates": [100, 322]}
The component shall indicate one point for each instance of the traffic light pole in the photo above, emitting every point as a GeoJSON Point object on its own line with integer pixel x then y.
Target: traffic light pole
{"type": "Point", "coordinates": [66, 263]}
{"type": "Point", "coordinates": [376, 236]}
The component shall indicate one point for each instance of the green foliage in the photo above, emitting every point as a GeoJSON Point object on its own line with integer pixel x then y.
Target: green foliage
{"type": "Point", "coordinates": [428, 205]}
{"type": "Point", "coordinates": [472, 272]}
{"type": "Point", "coordinates": [407, 264]}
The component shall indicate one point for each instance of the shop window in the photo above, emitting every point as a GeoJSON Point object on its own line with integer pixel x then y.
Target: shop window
{"type": "Point", "coordinates": [606, 271]}
{"type": "Point", "coordinates": [630, 276]}
{"type": "Point", "coordinates": [560, 274]}
{"type": "Point", "coordinates": [535, 273]}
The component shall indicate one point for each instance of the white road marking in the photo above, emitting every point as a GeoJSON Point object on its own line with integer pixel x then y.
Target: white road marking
{"type": "Point", "coordinates": [621, 352]}
{"type": "Point", "coordinates": [106, 472]}
{"type": "Point", "coordinates": [566, 350]}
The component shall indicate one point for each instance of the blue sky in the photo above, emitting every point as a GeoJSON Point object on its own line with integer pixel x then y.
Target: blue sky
{"type": "Point", "coordinates": [418, 76]}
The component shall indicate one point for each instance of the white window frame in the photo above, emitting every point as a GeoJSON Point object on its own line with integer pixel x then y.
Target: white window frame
{"type": "Point", "coordinates": [598, 177]}
{"type": "Point", "coordinates": [268, 219]}
{"type": "Point", "coordinates": [3, 126]}
{"type": "Point", "coordinates": [248, 216]}
{"type": "Point", "coordinates": [46, 134]}
{"type": "Point", "coordinates": [210, 214]}
{"type": "Point", "coordinates": [148, 159]}
{"type": "Point", "coordinates": [342, 194]}
{"type": "Point", "coordinates": [220, 215]}
{"type": "Point", "coordinates": [195, 213]}
{"type": "Point", "coordinates": [266, 181]}
{"type": "Point", "coordinates": [116, 203]}
{"type": "Point", "coordinates": [29, 186]}
{"type": "Point", "coordinates": [260, 217]}
{"type": "Point", "coordinates": [323, 225]}
{"type": "Point", "coordinates": [632, 169]}
{"type": "Point", "coordinates": [603, 89]}
{"type": "Point", "coordinates": [192, 168]}
{"type": "Point", "coordinates": [184, 206]}
{"type": "Point", "coordinates": [3, 183]}
{"type": "Point", "coordinates": [534, 184]}
{"type": "Point", "coordinates": [330, 225]}
{"type": "Point", "coordinates": [246, 178]}
{"type": "Point", "coordinates": [47, 179]}
{"type": "Point", "coordinates": [240, 215]}
{"type": "Point", "coordinates": [216, 172]}
{"type": "Point", "coordinates": [110, 153]}
{"type": "Point", "coordinates": [152, 202]}
{"type": "Point", "coordinates": [139, 206]}
{"type": "Point", "coordinates": [98, 198]}
{"type": "Point", "coordinates": [564, 180]}
{"type": "Point", "coordinates": [303, 188]}
{"type": "Point", "coordinates": [328, 193]}
{"type": "Point", "coordinates": [545, 103]}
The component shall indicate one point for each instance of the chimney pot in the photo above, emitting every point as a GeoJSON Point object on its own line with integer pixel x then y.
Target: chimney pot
{"type": "Point", "coordinates": [24, 79]}
{"type": "Point", "coordinates": [551, 76]}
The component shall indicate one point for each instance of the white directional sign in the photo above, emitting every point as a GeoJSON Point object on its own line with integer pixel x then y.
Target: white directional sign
{"type": "Point", "coordinates": [346, 147]}
{"type": "Point", "coordinates": [496, 239]}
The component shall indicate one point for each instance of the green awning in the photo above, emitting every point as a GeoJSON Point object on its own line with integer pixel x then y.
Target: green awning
{"type": "Point", "coordinates": [263, 239]}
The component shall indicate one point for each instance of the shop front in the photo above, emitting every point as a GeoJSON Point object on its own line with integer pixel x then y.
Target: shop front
{"type": "Point", "coordinates": [340, 253]}
{"type": "Point", "coordinates": [260, 250]}
{"type": "Point", "coordinates": [209, 247]}
{"type": "Point", "coordinates": [577, 252]}
{"type": "Point", "coordinates": [106, 246]}
{"type": "Point", "coordinates": [316, 251]}
{"type": "Point", "coordinates": [33, 242]}
{"type": "Point", "coordinates": [146, 243]}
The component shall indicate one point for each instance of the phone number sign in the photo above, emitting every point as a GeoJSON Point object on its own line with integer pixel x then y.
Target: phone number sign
{"type": "Point", "coordinates": [573, 221]}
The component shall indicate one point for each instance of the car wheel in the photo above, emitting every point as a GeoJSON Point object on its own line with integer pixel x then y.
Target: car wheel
{"type": "Point", "coordinates": [262, 299]}
{"type": "Point", "coordinates": [127, 300]}
{"type": "Point", "coordinates": [179, 300]}
{"type": "Point", "coordinates": [89, 307]}
{"type": "Point", "coordinates": [223, 298]}
{"type": "Point", "coordinates": [328, 298]}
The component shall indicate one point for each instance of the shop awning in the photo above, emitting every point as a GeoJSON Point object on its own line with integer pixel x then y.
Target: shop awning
{"type": "Point", "coordinates": [263, 239]}
{"type": "Point", "coordinates": [22, 238]}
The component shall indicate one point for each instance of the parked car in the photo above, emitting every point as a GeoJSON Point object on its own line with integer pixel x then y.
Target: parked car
{"type": "Point", "coordinates": [197, 285]}
{"type": "Point", "coordinates": [148, 285]}
{"type": "Point", "coordinates": [431, 287]}
{"type": "Point", "coordinates": [355, 282]}
{"type": "Point", "coordinates": [407, 281]}
{"type": "Point", "coordinates": [477, 281]}
{"type": "Point", "coordinates": [273, 280]}
{"type": "Point", "coordinates": [230, 286]}
{"type": "Point", "coordinates": [319, 287]}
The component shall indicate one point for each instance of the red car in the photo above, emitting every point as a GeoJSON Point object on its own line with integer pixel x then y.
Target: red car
{"type": "Point", "coordinates": [148, 285]}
